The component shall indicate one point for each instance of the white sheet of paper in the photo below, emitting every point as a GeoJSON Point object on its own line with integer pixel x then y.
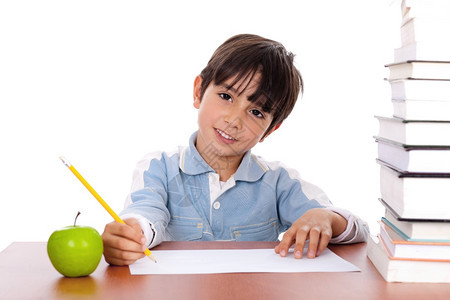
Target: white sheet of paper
{"type": "Point", "coordinates": [237, 261]}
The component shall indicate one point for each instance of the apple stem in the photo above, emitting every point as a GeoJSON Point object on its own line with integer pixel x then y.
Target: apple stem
{"type": "Point", "coordinates": [75, 222]}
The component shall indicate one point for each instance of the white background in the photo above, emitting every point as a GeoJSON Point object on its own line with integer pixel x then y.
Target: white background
{"type": "Point", "coordinates": [105, 82]}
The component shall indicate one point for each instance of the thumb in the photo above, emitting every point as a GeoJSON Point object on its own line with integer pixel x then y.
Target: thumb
{"type": "Point", "coordinates": [134, 223]}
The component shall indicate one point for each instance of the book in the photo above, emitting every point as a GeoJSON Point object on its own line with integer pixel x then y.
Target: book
{"type": "Point", "coordinates": [433, 51]}
{"type": "Point", "coordinates": [401, 214]}
{"type": "Point", "coordinates": [424, 110]}
{"type": "Point", "coordinates": [406, 270]}
{"type": "Point", "coordinates": [413, 132]}
{"type": "Point", "coordinates": [416, 159]}
{"type": "Point", "coordinates": [424, 196]}
{"type": "Point", "coordinates": [414, 174]}
{"type": "Point", "coordinates": [418, 230]}
{"type": "Point", "coordinates": [419, 29]}
{"type": "Point", "coordinates": [414, 69]}
{"type": "Point", "coordinates": [420, 89]}
{"type": "Point", "coordinates": [399, 247]}
{"type": "Point", "coordinates": [424, 9]}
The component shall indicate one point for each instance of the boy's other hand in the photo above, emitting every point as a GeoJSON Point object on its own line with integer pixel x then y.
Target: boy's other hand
{"type": "Point", "coordinates": [318, 225]}
{"type": "Point", "coordinates": [123, 244]}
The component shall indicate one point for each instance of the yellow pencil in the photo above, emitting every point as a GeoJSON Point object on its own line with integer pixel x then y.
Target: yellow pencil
{"type": "Point", "coordinates": [99, 199]}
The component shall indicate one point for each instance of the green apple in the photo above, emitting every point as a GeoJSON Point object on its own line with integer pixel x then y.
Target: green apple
{"type": "Point", "coordinates": [75, 251]}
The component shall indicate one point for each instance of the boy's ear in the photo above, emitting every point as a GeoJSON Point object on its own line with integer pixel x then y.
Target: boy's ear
{"type": "Point", "coordinates": [270, 132]}
{"type": "Point", "coordinates": [197, 89]}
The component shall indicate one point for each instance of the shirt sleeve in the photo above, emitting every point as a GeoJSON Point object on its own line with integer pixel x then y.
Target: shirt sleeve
{"type": "Point", "coordinates": [148, 229]}
{"type": "Point", "coordinates": [148, 198]}
{"type": "Point", "coordinates": [357, 230]}
{"type": "Point", "coordinates": [295, 196]}
{"type": "Point", "coordinates": [302, 191]}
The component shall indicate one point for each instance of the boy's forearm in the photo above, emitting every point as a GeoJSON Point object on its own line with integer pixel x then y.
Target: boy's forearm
{"type": "Point", "coordinates": [338, 224]}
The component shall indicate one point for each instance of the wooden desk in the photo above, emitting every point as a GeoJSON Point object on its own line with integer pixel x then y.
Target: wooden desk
{"type": "Point", "coordinates": [26, 273]}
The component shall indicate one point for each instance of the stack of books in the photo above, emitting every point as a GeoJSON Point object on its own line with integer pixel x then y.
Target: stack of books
{"type": "Point", "coordinates": [414, 151]}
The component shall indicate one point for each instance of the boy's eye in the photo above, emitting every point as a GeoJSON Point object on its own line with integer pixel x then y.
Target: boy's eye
{"type": "Point", "coordinates": [225, 96]}
{"type": "Point", "coordinates": [257, 113]}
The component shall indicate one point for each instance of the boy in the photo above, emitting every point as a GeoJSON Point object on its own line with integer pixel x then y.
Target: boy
{"type": "Point", "coordinates": [216, 189]}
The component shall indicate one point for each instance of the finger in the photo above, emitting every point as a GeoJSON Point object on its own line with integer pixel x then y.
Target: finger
{"type": "Point", "coordinates": [325, 238]}
{"type": "Point", "coordinates": [120, 236]}
{"type": "Point", "coordinates": [133, 223]}
{"type": "Point", "coordinates": [122, 243]}
{"type": "Point", "coordinates": [121, 251]}
{"type": "Point", "coordinates": [120, 258]}
{"type": "Point", "coordinates": [286, 242]}
{"type": "Point", "coordinates": [314, 236]}
{"type": "Point", "coordinates": [126, 231]}
{"type": "Point", "coordinates": [302, 236]}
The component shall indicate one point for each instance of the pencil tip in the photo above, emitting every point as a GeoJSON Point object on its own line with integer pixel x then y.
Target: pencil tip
{"type": "Point", "coordinates": [64, 161]}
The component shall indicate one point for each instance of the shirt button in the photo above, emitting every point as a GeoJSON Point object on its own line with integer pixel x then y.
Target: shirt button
{"type": "Point", "coordinates": [216, 205]}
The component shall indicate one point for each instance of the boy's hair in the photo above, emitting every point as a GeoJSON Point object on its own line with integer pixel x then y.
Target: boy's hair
{"type": "Point", "coordinates": [245, 55]}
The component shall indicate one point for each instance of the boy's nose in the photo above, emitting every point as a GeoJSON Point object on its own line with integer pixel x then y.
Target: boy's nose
{"type": "Point", "coordinates": [234, 119]}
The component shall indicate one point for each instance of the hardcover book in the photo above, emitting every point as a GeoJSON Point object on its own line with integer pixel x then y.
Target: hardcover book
{"type": "Point", "coordinates": [399, 247]}
{"type": "Point", "coordinates": [421, 110]}
{"type": "Point", "coordinates": [423, 196]}
{"type": "Point", "coordinates": [418, 230]}
{"type": "Point", "coordinates": [413, 158]}
{"type": "Point", "coordinates": [413, 132]}
{"type": "Point", "coordinates": [420, 89]}
{"type": "Point", "coordinates": [406, 270]}
{"type": "Point", "coordinates": [419, 69]}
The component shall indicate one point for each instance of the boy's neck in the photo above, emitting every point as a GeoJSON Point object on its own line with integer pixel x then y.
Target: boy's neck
{"type": "Point", "coordinates": [224, 166]}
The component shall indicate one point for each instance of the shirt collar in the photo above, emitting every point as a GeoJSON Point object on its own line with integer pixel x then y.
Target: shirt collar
{"type": "Point", "coordinates": [191, 162]}
{"type": "Point", "coordinates": [251, 168]}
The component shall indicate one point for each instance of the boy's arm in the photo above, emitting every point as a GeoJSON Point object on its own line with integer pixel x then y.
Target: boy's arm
{"type": "Point", "coordinates": [145, 204]}
{"type": "Point", "coordinates": [328, 224]}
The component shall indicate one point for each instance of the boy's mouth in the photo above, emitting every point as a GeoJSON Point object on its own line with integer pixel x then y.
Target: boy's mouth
{"type": "Point", "coordinates": [225, 135]}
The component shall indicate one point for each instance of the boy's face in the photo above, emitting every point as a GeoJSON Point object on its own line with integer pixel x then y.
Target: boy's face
{"type": "Point", "coordinates": [229, 124]}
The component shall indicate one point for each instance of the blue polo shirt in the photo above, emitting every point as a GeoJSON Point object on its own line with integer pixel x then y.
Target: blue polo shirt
{"type": "Point", "coordinates": [178, 196]}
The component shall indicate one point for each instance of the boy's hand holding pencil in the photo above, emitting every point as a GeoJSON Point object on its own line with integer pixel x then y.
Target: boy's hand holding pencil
{"type": "Point", "coordinates": [119, 247]}
{"type": "Point", "coordinates": [123, 244]}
